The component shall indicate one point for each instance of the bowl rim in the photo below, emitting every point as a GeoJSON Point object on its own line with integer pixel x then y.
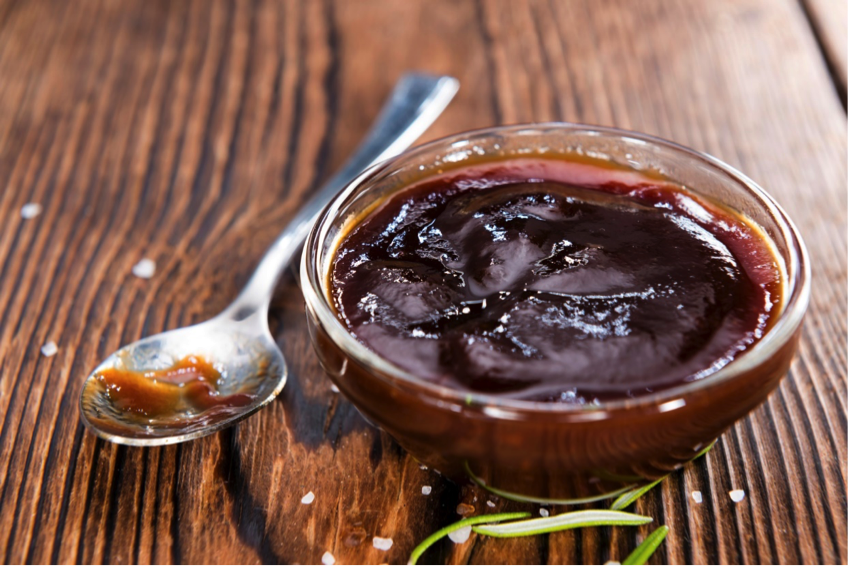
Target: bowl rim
{"type": "Point", "coordinates": [673, 398]}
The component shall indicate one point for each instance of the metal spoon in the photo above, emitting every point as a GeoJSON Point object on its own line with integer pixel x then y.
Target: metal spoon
{"type": "Point", "coordinates": [238, 342]}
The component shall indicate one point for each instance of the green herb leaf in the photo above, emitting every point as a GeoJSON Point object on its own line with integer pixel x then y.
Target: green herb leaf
{"type": "Point", "coordinates": [540, 500]}
{"type": "Point", "coordinates": [705, 450]}
{"type": "Point", "coordinates": [644, 551]}
{"type": "Point", "coordinates": [627, 499]}
{"type": "Point", "coordinates": [561, 522]}
{"type": "Point", "coordinates": [430, 540]}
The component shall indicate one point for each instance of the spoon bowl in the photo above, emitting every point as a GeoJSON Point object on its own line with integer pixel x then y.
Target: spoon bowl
{"type": "Point", "coordinates": [191, 382]}
{"type": "Point", "coordinates": [243, 353]}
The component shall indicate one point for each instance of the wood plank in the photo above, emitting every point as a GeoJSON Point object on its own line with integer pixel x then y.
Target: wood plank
{"type": "Point", "coordinates": [188, 132]}
{"type": "Point", "coordinates": [830, 23]}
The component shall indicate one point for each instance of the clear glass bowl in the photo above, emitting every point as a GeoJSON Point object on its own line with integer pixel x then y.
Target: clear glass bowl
{"type": "Point", "coordinates": [548, 451]}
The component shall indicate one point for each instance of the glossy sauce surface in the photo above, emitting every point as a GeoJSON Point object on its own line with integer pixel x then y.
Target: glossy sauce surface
{"type": "Point", "coordinates": [535, 288]}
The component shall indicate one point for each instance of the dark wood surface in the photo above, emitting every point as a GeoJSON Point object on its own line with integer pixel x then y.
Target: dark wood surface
{"type": "Point", "coordinates": [188, 132]}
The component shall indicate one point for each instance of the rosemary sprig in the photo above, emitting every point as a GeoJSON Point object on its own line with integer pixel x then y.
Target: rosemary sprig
{"type": "Point", "coordinates": [561, 522]}
{"type": "Point", "coordinates": [627, 499]}
{"type": "Point", "coordinates": [430, 540]}
{"type": "Point", "coordinates": [705, 450]}
{"type": "Point", "coordinates": [644, 551]}
{"type": "Point", "coordinates": [564, 521]}
{"type": "Point", "coordinates": [540, 500]}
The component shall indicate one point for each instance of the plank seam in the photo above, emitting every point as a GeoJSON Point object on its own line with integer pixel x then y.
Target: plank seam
{"type": "Point", "coordinates": [830, 64]}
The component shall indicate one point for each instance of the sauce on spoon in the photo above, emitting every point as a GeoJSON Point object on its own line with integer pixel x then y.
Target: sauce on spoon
{"type": "Point", "coordinates": [190, 384]}
{"type": "Point", "coordinates": [172, 397]}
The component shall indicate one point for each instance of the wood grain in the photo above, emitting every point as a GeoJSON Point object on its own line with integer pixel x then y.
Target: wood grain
{"type": "Point", "coordinates": [187, 132]}
{"type": "Point", "coordinates": [829, 19]}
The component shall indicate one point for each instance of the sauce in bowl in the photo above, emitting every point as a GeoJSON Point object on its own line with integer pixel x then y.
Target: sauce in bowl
{"type": "Point", "coordinates": [506, 281]}
{"type": "Point", "coordinates": [555, 311]}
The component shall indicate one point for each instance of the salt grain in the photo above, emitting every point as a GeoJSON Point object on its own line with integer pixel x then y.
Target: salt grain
{"type": "Point", "coordinates": [328, 559]}
{"type": "Point", "coordinates": [490, 503]}
{"type": "Point", "coordinates": [381, 543]}
{"type": "Point", "coordinates": [696, 495]}
{"type": "Point", "coordinates": [30, 210]}
{"type": "Point", "coordinates": [459, 536]}
{"type": "Point", "coordinates": [423, 467]}
{"type": "Point", "coordinates": [544, 512]}
{"type": "Point", "coordinates": [426, 489]}
{"type": "Point", "coordinates": [308, 498]}
{"type": "Point", "coordinates": [737, 495]}
{"type": "Point", "coordinates": [333, 388]}
{"type": "Point", "coordinates": [144, 268]}
{"type": "Point", "coordinates": [49, 349]}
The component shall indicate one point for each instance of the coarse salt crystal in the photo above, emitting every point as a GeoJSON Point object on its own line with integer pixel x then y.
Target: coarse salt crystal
{"type": "Point", "coordinates": [381, 543]}
{"type": "Point", "coordinates": [30, 210]}
{"type": "Point", "coordinates": [328, 559]}
{"type": "Point", "coordinates": [459, 536]}
{"type": "Point", "coordinates": [544, 512]}
{"type": "Point", "coordinates": [737, 495]}
{"type": "Point", "coordinates": [333, 388]}
{"type": "Point", "coordinates": [308, 498]}
{"type": "Point", "coordinates": [696, 495]}
{"type": "Point", "coordinates": [490, 503]}
{"type": "Point", "coordinates": [423, 467]}
{"type": "Point", "coordinates": [426, 489]}
{"type": "Point", "coordinates": [144, 268]}
{"type": "Point", "coordinates": [49, 349]}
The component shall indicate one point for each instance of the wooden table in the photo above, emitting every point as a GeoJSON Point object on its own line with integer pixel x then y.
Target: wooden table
{"type": "Point", "coordinates": [188, 132]}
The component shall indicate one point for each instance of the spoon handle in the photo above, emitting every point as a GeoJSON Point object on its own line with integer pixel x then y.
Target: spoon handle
{"type": "Point", "coordinates": [415, 103]}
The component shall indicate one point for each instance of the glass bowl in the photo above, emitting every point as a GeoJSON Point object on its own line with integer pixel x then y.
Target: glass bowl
{"type": "Point", "coordinates": [551, 452]}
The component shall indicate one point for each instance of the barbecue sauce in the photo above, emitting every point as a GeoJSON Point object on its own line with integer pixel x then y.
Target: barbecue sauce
{"type": "Point", "coordinates": [545, 290]}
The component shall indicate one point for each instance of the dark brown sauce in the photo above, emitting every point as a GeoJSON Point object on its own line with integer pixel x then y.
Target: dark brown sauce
{"type": "Point", "coordinates": [189, 386]}
{"type": "Point", "coordinates": [504, 282]}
